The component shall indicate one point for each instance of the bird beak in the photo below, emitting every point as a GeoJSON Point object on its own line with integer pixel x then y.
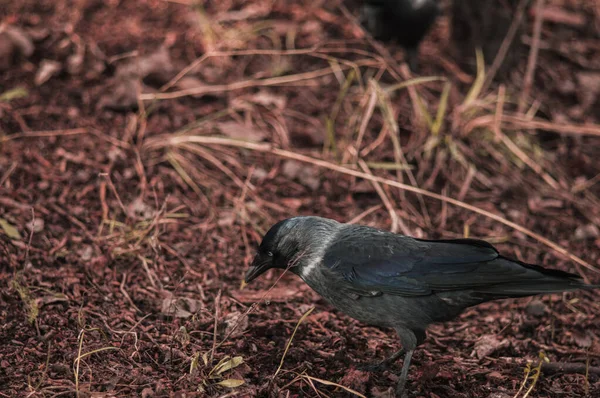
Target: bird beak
{"type": "Point", "coordinates": [258, 267]}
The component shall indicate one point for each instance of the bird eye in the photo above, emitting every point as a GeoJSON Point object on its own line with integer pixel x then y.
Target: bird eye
{"type": "Point", "coordinates": [270, 254]}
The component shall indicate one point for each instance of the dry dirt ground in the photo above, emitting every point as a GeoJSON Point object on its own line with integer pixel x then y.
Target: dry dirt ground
{"type": "Point", "coordinates": [146, 146]}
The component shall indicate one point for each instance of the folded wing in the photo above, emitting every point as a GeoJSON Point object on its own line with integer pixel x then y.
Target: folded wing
{"type": "Point", "coordinates": [382, 263]}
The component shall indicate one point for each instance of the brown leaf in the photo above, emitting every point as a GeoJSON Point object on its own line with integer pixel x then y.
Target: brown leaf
{"type": "Point", "coordinates": [180, 307]}
{"type": "Point", "coordinates": [582, 339]}
{"type": "Point", "coordinates": [190, 83]}
{"type": "Point", "coordinates": [158, 64]}
{"type": "Point", "coordinates": [239, 131]}
{"type": "Point", "coordinates": [236, 324]}
{"type": "Point", "coordinates": [487, 345]}
{"type": "Point", "coordinates": [231, 383]}
{"type": "Point", "coordinates": [588, 231]}
{"type": "Point", "coordinates": [14, 42]}
{"type": "Point", "coordinates": [47, 69]}
{"type": "Point", "coordinates": [305, 174]}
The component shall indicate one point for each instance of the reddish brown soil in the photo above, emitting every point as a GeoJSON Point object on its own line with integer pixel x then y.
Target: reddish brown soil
{"type": "Point", "coordinates": [85, 299]}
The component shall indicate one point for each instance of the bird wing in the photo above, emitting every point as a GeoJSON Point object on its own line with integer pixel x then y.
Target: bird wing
{"type": "Point", "coordinates": [374, 263]}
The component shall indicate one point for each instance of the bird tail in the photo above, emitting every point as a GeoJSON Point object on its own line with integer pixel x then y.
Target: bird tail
{"type": "Point", "coordinates": [538, 280]}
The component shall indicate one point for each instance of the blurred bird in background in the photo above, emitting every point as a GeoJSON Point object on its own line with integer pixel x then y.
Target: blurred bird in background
{"type": "Point", "coordinates": [403, 21]}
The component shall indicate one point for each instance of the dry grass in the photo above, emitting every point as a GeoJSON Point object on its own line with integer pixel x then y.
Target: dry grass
{"type": "Point", "coordinates": [176, 210]}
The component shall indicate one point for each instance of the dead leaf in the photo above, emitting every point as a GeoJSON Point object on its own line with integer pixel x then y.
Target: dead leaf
{"type": "Point", "coordinates": [147, 392]}
{"type": "Point", "coordinates": [47, 69]}
{"type": "Point", "coordinates": [589, 231]}
{"type": "Point", "coordinates": [292, 204]}
{"type": "Point", "coordinates": [267, 99]}
{"type": "Point", "coordinates": [180, 307]}
{"type": "Point", "coordinates": [157, 64]}
{"type": "Point", "coordinates": [487, 345]}
{"type": "Point", "coordinates": [239, 131]}
{"type": "Point", "coordinates": [231, 383]}
{"type": "Point", "coordinates": [306, 175]}
{"type": "Point", "coordinates": [51, 299]}
{"type": "Point", "coordinates": [37, 225]}
{"type": "Point", "coordinates": [121, 95]}
{"type": "Point", "coordinates": [75, 61]}
{"type": "Point", "coordinates": [140, 210]}
{"type": "Point", "coordinates": [224, 366]}
{"type": "Point", "coordinates": [10, 230]}
{"type": "Point", "coordinates": [236, 324]}
{"type": "Point", "coordinates": [582, 339]}
{"type": "Point", "coordinates": [14, 42]}
{"type": "Point", "coordinates": [589, 89]}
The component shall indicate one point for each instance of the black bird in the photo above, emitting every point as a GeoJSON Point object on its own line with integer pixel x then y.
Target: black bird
{"type": "Point", "coordinates": [404, 21]}
{"type": "Point", "coordinates": [397, 281]}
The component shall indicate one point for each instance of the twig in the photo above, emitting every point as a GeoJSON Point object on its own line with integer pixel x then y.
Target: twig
{"type": "Point", "coordinates": [518, 152]}
{"type": "Point", "coordinates": [217, 310]}
{"type": "Point", "coordinates": [289, 343]}
{"type": "Point", "coordinates": [114, 191]}
{"type": "Point", "coordinates": [520, 122]}
{"type": "Point", "coordinates": [533, 54]}
{"type": "Point", "coordinates": [364, 214]}
{"type": "Point", "coordinates": [273, 81]}
{"type": "Point", "coordinates": [47, 133]}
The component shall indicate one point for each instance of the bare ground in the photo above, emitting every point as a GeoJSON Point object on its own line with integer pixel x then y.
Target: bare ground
{"type": "Point", "coordinates": [122, 250]}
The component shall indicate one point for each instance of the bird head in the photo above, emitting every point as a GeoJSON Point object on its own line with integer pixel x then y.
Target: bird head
{"type": "Point", "coordinates": [286, 242]}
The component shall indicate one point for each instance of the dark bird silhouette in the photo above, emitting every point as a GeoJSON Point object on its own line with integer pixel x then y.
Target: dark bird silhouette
{"type": "Point", "coordinates": [403, 21]}
{"type": "Point", "coordinates": [484, 24]}
{"type": "Point", "coordinates": [397, 281]}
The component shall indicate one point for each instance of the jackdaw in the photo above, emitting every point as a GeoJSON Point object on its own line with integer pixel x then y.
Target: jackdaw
{"type": "Point", "coordinates": [390, 280]}
{"type": "Point", "coordinates": [403, 21]}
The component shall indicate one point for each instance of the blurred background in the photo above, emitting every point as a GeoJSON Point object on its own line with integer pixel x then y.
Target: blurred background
{"type": "Point", "coordinates": [146, 146]}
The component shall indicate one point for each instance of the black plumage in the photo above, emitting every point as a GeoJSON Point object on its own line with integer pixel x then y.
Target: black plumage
{"type": "Point", "coordinates": [485, 24]}
{"type": "Point", "coordinates": [403, 21]}
{"type": "Point", "coordinates": [396, 281]}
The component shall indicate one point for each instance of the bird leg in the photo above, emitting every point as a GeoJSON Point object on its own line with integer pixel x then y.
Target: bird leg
{"type": "Point", "coordinates": [404, 374]}
{"type": "Point", "coordinates": [380, 366]}
{"type": "Point", "coordinates": [412, 58]}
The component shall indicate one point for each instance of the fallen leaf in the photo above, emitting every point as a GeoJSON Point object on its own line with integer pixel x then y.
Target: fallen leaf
{"type": "Point", "coordinates": [267, 99]}
{"type": "Point", "coordinates": [14, 42]}
{"type": "Point", "coordinates": [306, 175]}
{"type": "Point", "coordinates": [37, 225]}
{"type": "Point", "coordinates": [588, 231]}
{"type": "Point", "coordinates": [140, 210]}
{"type": "Point", "coordinates": [47, 69]}
{"type": "Point", "coordinates": [231, 383]}
{"type": "Point", "coordinates": [236, 324]}
{"type": "Point", "coordinates": [10, 230]}
{"type": "Point", "coordinates": [228, 365]}
{"type": "Point", "coordinates": [15, 93]}
{"type": "Point", "coordinates": [239, 131]}
{"type": "Point", "coordinates": [582, 339]}
{"type": "Point", "coordinates": [180, 307]}
{"type": "Point", "coordinates": [487, 345]}
{"type": "Point", "coordinates": [157, 64]}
